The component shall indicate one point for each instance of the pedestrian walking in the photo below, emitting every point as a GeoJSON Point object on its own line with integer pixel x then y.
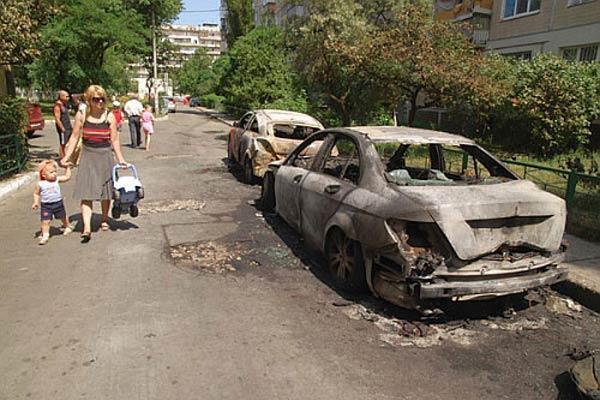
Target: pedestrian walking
{"type": "Point", "coordinates": [62, 120]}
{"type": "Point", "coordinates": [118, 115]}
{"type": "Point", "coordinates": [48, 198]}
{"type": "Point", "coordinates": [133, 109]}
{"type": "Point", "coordinates": [147, 125]}
{"type": "Point", "coordinates": [98, 129]}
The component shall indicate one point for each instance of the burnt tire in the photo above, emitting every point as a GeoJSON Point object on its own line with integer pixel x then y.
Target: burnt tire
{"type": "Point", "coordinates": [230, 158]}
{"type": "Point", "coordinates": [134, 211]}
{"type": "Point", "coordinates": [345, 262]}
{"type": "Point", "coordinates": [116, 211]}
{"type": "Point", "coordinates": [267, 193]}
{"type": "Point", "coordinates": [248, 172]}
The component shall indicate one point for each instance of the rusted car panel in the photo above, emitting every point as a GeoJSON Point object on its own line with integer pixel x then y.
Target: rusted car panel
{"type": "Point", "coordinates": [263, 136]}
{"type": "Point", "coordinates": [424, 233]}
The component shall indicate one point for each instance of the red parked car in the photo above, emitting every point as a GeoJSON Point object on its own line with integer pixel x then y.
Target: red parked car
{"type": "Point", "coordinates": [36, 120]}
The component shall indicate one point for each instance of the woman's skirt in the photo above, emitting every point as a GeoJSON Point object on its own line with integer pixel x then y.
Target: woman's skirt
{"type": "Point", "coordinates": [94, 175]}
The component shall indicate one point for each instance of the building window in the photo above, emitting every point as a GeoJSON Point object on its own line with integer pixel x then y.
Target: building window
{"type": "Point", "coordinates": [515, 8]}
{"type": "Point", "coordinates": [520, 55]}
{"type": "Point", "coordinates": [581, 53]}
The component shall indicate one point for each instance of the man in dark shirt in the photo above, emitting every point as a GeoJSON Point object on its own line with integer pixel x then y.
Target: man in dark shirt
{"type": "Point", "coordinates": [62, 120]}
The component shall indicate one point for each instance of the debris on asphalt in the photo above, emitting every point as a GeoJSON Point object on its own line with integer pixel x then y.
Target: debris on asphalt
{"type": "Point", "coordinates": [562, 305]}
{"type": "Point", "coordinates": [522, 324]}
{"type": "Point", "coordinates": [210, 257]}
{"type": "Point", "coordinates": [161, 206]}
{"type": "Point", "coordinates": [401, 333]}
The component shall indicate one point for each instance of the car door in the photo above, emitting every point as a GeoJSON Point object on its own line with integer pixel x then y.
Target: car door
{"type": "Point", "coordinates": [237, 133]}
{"type": "Point", "coordinates": [248, 136]}
{"type": "Point", "coordinates": [288, 181]}
{"type": "Point", "coordinates": [323, 190]}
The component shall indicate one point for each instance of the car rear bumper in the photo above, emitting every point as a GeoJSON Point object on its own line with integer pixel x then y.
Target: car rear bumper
{"type": "Point", "coordinates": [497, 286]}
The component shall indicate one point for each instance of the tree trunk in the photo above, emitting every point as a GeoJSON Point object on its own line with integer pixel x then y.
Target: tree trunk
{"type": "Point", "coordinates": [413, 107]}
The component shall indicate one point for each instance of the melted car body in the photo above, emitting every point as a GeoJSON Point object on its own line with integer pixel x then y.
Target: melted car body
{"type": "Point", "coordinates": [417, 215]}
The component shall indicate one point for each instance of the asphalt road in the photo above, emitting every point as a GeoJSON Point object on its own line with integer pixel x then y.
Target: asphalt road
{"type": "Point", "coordinates": [204, 297]}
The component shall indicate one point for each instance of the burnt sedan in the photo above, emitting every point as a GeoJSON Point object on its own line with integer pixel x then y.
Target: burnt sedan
{"type": "Point", "coordinates": [263, 136]}
{"type": "Point", "coordinates": [417, 215]}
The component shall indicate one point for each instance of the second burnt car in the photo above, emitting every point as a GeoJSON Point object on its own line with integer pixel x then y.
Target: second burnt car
{"type": "Point", "coordinates": [262, 136]}
{"type": "Point", "coordinates": [418, 215]}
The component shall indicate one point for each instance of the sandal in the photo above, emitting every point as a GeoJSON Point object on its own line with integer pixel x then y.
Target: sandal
{"type": "Point", "coordinates": [86, 237]}
{"type": "Point", "coordinates": [104, 226]}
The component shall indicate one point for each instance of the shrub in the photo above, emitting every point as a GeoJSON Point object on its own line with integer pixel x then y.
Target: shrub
{"type": "Point", "coordinates": [212, 100]}
{"type": "Point", "coordinates": [13, 143]}
{"type": "Point", "coordinates": [13, 116]}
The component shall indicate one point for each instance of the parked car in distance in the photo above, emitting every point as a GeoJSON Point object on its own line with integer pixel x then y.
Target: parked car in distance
{"type": "Point", "coordinates": [263, 136]}
{"type": "Point", "coordinates": [171, 104]}
{"type": "Point", "coordinates": [36, 119]}
{"type": "Point", "coordinates": [418, 216]}
{"type": "Point", "coordinates": [194, 102]}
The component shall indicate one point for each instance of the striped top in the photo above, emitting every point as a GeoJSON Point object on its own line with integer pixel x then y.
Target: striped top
{"type": "Point", "coordinates": [97, 134]}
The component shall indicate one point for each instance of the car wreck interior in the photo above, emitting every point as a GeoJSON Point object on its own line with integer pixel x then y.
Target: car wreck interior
{"type": "Point", "coordinates": [291, 131]}
{"type": "Point", "coordinates": [437, 164]}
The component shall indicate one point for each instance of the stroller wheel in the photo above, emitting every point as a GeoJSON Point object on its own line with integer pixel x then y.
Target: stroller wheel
{"type": "Point", "coordinates": [116, 211]}
{"type": "Point", "coordinates": [134, 211]}
{"type": "Point", "coordinates": [140, 193]}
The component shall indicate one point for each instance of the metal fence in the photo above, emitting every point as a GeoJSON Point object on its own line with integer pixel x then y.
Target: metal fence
{"type": "Point", "coordinates": [580, 191]}
{"type": "Point", "coordinates": [13, 154]}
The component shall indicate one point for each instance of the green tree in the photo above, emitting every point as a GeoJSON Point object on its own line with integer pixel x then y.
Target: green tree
{"type": "Point", "coordinates": [328, 53]}
{"type": "Point", "coordinates": [240, 19]}
{"type": "Point", "coordinates": [259, 74]}
{"type": "Point", "coordinates": [550, 105]}
{"type": "Point", "coordinates": [196, 76]}
{"type": "Point", "coordinates": [84, 43]}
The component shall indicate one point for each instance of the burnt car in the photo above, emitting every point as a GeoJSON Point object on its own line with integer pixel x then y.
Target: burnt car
{"type": "Point", "coordinates": [35, 120]}
{"type": "Point", "coordinates": [418, 216]}
{"type": "Point", "coordinates": [263, 136]}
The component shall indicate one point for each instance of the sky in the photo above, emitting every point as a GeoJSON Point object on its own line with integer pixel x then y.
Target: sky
{"type": "Point", "coordinates": [199, 18]}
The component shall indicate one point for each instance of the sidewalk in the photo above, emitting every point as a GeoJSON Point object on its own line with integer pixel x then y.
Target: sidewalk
{"type": "Point", "coordinates": [224, 118]}
{"type": "Point", "coordinates": [583, 283]}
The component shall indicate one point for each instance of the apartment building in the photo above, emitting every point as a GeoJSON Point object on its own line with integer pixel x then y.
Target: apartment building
{"type": "Point", "coordinates": [569, 28]}
{"type": "Point", "coordinates": [523, 28]}
{"type": "Point", "coordinates": [189, 38]}
{"type": "Point", "coordinates": [278, 11]}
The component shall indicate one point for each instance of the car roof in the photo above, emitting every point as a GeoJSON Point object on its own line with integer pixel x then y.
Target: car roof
{"type": "Point", "coordinates": [291, 116]}
{"type": "Point", "coordinates": [407, 135]}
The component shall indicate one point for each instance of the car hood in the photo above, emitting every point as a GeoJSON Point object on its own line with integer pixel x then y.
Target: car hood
{"type": "Point", "coordinates": [479, 219]}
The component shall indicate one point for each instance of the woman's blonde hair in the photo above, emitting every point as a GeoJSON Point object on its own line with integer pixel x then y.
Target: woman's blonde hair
{"type": "Point", "coordinates": [90, 92]}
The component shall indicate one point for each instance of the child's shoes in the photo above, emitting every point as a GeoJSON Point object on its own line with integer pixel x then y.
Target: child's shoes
{"type": "Point", "coordinates": [68, 229]}
{"type": "Point", "coordinates": [43, 240]}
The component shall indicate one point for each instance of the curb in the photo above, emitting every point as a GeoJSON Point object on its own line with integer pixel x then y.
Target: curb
{"type": "Point", "coordinates": [581, 294]}
{"type": "Point", "coordinates": [16, 183]}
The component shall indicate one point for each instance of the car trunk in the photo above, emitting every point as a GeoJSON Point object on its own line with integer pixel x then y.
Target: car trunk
{"type": "Point", "coordinates": [479, 219]}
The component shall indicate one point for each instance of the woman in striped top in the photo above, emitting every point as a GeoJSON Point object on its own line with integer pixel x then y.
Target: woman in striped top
{"type": "Point", "coordinates": [98, 129]}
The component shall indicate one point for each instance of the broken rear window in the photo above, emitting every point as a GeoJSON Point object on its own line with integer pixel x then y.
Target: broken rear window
{"type": "Point", "coordinates": [291, 131]}
{"type": "Point", "coordinates": [439, 164]}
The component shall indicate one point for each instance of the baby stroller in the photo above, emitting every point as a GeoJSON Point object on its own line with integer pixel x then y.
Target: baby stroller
{"type": "Point", "coordinates": [127, 191]}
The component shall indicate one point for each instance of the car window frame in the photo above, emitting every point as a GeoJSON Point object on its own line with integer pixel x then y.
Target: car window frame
{"type": "Point", "coordinates": [319, 135]}
{"type": "Point", "coordinates": [249, 114]}
{"type": "Point", "coordinates": [332, 139]}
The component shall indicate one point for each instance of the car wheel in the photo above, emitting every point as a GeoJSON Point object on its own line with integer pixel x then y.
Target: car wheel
{"type": "Point", "coordinates": [248, 171]}
{"type": "Point", "coordinates": [345, 262]}
{"type": "Point", "coordinates": [230, 158]}
{"type": "Point", "coordinates": [30, 134]}
{"type": "Point", "coordinates": [267, 194]}
{"type": "Point", "coordinates": [116, 211]}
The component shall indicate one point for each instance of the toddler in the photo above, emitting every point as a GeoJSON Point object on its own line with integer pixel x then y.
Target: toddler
{"type": "Point", "coordinates": [148, 125]}
{"type": "Point", "coordinates": [48, 191]}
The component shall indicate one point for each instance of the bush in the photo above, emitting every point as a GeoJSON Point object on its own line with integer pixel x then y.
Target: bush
{"type": "Point", "coordinates": [550, 107]}
{"type": "Point", "coordinates": [13, 116]}
{"type": "Point", "coordinates": [212, 100]}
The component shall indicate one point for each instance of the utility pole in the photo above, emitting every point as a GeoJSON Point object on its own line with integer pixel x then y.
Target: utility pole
{"type": "Point", "coordinates": [155, 67]}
